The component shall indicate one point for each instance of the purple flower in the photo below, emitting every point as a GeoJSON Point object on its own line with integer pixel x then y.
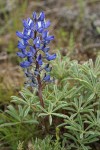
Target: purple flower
{"type": "Point", "coordinates": [47, 24]}
{"type": "Point", "coordinates": [24, 51]}
{"type": "Point", "coordinates": [37, 42]}
{"type": "Point", "coordinates": [25, 64]}
{"type": "Point", "coordinates": [39, 27]}
{"type": "Point", "coordinates": [41, 17]}
{"type": "Point", "coordinates": [45, 49]}
{"type": "Point", "coordinates": [21, 45]}
{"type": "Point", "coordinates": [30, 59]}
{"type": "Point", "coordinates": [28, 24]}
{"type": "Point", "coordinates": [26, 34]}
{"type": "Point", "coordinates": [31, 52]}
{"type": "Point", "coordinates": [46, 37]}
{"type": "Point", "coordinates": [47, 68]}
{"type": "Point", "coordinates": [20, 54]}
{"type": "Point", "coordinates": [50, 57]}
{"type": "Point", "coordinates": [46, 78]}
{"type": "Point", "coordinates": [45, 34]}
{"type": "Point", "coordinates": [39, 59]}
{"type": "Point", "coordinates": [34, 16]}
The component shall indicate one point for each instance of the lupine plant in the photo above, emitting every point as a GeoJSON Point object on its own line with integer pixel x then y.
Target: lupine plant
{"type": "Point", "coordinates": [64, 114]}
{"type": "Point", "coordinates": [34, 49]}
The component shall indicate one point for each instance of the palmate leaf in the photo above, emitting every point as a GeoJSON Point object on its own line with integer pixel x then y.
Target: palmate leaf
{"type": "Point", "coordinates": [19, 116]}
{"type": "Point", "coordinates": [85, 147]}
{"type": "Point", "coordinates": [56, 96]}
{"type": "Point", "coordinates": [18, 100]}
{"type": "Point", "coordinates": [26, 111]}
{"type": "Point", "coordinates": [9, 124]}
{"type": "Point", "coordinates": [85, 83]}
{"type": "Point", "coordinates": [13, 112]}
{"type": "Point", "coordinates": [81, 138]}
{"type": "Point", "coordinates": [91, 139]}
{"type": "Point", "coordinates": [93, 120]}
{"type": "Point", "coordinates": [72, 92]}
{"type": "Point", "coordinates": [70, 136]}
{"type": "Point", "coordinates": [27, 98]}
{"type": "Point", "coordinates": [75, 70]}
{"type": "Point", "coordinates": [41, 108]}
{"type": "Point", "coordinates": [90, 98]}
{"type": "Point", "coordinates": [28, 93]}
{"type": "Point", "coordinates": [95, 68]}
{"type": "Point", "coordinates": [60, 67]}
{"type": "Point", "coordinates": [51, 112]}
{"type": "Point", "coordinates": [80, 105]}
{"type": "Point", "coordinates": [62, 106]}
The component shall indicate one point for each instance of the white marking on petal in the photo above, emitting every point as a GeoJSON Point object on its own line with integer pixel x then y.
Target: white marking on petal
{"type": "Point", "coordinates": [29, 31]}
{"type": "Point", "coordinates": [39, 24]}
{"type": "Point", "coordinates": [30, 22]}
{"type": "Point", "coordinates": [22, 41]}
{"type": "Point", "coordinates": [38, 41]}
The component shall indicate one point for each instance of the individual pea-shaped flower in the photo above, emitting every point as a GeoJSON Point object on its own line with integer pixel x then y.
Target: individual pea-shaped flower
{"type": "Point", "coordinates": [25, 64]}
{"type": "Point", "coordinates": [28, 24]}
{"type": "Point", "coordinates": [37, 42]}
{"type": "Point", "coordinates": [46, 78]}
{"type": "Point", "coordinates": [46, 37]}
{"type": "Point", "coordinates": [47, 68]}
{"type": "Point", "coordinates": [50, 56]}
{"type": "Point", "coordinates": [39, 59]}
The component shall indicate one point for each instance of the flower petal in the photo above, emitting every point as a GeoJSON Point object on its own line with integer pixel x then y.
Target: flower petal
{"type": "Point", "coordinates": [39, 59]}
{"type": "Point", "coordinates": [46, 78]}
{"type": "Point", "coordinates": [25, 24]}
{"type": "Point", "coordinates": [42, 16]}
{"type": "Point", "coordinates": [21, 45]}
{"type": "Point", "coordinates": [50, 57]}
{"type": "Point", "coordinates": [34, 15]}
{"type": "Point", "coordinates": [45, 34]}
{"type": "Point", "coordinates": [47, 24]}
{"type": "Point", "coordinates": [37, 42]}
{"type": "Point", "coordinates": [19, 34]}
{"type": "Point", "coordinates": [20, 54]}
{"type": "Point", "coordinates": [25, 64]}
{"type": "Point", "coordinates": [47, 68]}
{"type": "Point", "coordinates": [32, 50]}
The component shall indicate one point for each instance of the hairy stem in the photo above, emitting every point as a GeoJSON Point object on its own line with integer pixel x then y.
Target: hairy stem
{"type": "Point", "coordinates": [39, 87]}
{"type": "Point", "coordinates": [39, 79]}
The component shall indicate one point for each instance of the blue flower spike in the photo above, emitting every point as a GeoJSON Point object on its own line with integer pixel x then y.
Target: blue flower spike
{"type": "Point", "coordinates": [34, 50]}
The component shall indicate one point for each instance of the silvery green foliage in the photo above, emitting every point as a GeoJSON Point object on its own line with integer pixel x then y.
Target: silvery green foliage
{"type": "Point", "coordinates": [20, 146]}
{"type": "Point", "coordinates": [46, 144]}
{"type": "Point", "coordinates": [72, 105]}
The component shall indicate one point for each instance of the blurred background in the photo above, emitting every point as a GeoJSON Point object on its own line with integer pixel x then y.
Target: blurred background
{"type": "Point", "coordinates": [75, 25]}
